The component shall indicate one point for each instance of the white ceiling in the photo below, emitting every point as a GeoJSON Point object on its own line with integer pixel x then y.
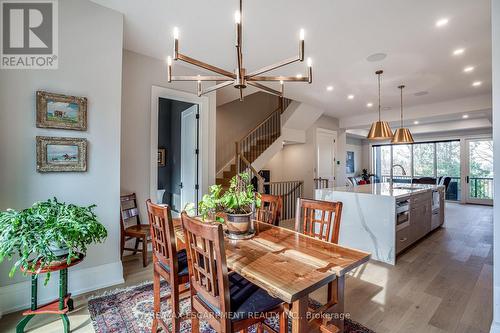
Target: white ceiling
{"type": "Point", "coordinates": [340, 35]}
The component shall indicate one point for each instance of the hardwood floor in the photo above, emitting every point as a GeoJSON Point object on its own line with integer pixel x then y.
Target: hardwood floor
{"type": "Point", "coordinates": [442, 284]}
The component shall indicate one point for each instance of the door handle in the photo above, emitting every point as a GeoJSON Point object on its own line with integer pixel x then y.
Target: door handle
{"type": "Point", "coordinates": [180, 185]}
{"type": "Point", "coordinates": [467, 179]}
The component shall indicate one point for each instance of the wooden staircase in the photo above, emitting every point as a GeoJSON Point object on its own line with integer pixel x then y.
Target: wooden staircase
{"type": "Point", "coordinates": [252, 145]}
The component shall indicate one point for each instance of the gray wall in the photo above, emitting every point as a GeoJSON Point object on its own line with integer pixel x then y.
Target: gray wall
{"type": "Point", "coordinates": [90, 56]}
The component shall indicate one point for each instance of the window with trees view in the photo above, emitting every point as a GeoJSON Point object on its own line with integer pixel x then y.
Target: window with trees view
{"type": "Point", "coordinates": [427, 159]}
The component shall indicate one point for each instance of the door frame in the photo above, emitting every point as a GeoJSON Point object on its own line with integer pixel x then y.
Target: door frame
{"type": "Point", "coordinates": [206, 137]}
{"type": "Point", "coordinates": [466, 171]}
{"type": "Point", "coordinates": [335, 151]}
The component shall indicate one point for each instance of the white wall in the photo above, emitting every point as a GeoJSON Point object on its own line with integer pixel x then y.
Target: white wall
{"type": "Point", "coordinates": [496, 146]}
{"type": "Point", "coordinates": [140, 74]}
{"type": "Point", "coordinates": [298, 161]}
{"type": "Point", "coordinates": [90, 64]}
{"type": "Point", "coordinates": [356, 146]}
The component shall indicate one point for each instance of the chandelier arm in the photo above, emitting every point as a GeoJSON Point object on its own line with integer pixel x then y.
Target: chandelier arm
{"type": "Point", "coordinates": [265, 88]}
{"type": "Point", "coordinates": [279, 78]}
{"type": "Point", "coordinates": [274, 66]}
{"type": "Point", "coordinates": [200, 78]}
{"type": "Point", "coordinates": [204, 65]}
{"type": "Point", "coordinates": [217, 86]}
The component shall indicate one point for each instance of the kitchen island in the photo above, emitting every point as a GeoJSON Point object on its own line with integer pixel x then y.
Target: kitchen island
{"type": "Point", "coordinates": [384, 219]}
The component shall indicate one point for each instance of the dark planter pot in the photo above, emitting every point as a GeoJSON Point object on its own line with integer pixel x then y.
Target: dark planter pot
{"type": "Point", "coordinates": [238, 224]}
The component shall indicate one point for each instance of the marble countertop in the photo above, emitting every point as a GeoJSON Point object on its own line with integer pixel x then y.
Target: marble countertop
{"type": "Point", "coordinates": [386, 189]}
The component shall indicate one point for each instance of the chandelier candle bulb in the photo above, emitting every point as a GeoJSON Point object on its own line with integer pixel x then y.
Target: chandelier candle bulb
{"type": "Point", "coordinates": [237, 17]}
{"type": "Point", "coordinates": [169, 69]}
{"type": "Point", "coordinates": [199, 88]}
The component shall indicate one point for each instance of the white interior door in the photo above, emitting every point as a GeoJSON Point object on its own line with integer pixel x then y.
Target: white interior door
{"type": "Point", "coordinates": [325, 154]}
{"type": "Point", "coordinates": [479, 166]}
{"type": "Point", "coordinates": [189, 160]}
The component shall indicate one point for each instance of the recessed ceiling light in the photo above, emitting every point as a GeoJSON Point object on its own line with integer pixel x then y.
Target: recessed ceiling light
{"type": "Point", "coordinates": [369, 105]}
{"type": "Point", "coordinates": [350, 96]}
{"type": "Point", "coordinates": [465, 116]}
{"type": "Point", "coordinates": [442, 22]}
{"type": "Point", "coordinates": [468, 69]}
{"type": "Point", "coordinates": [386, 108]}
{"type": "Point", "coordinates": [416, 122]}
{"type": "Point", "coordinates": [458, 52]}
{"type": "Point", "coordinates": [329, 88]}
{"type": "Point", "coordinates": [376, 57]}
{"type": "Point", "coordinates": [476, 83]}
{"type": "Point", "coordinates": [421, 93]}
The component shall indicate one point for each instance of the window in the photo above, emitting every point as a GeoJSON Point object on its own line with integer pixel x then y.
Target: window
{"type": "Point", "coordinates": [423, 157]}
{"type": "Point", "coordinates": [426, 159]}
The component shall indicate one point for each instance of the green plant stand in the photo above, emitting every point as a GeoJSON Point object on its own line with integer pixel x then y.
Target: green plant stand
{"type": "Point", "coordinates": [60, 306]}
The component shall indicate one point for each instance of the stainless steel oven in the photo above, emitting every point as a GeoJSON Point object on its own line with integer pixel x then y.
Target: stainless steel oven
{"type": "Point", "coordinates": [402, 214]}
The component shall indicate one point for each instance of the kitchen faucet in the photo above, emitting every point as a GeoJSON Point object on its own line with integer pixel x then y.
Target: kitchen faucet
{"type": "Point", "coordinates": [392, 173]}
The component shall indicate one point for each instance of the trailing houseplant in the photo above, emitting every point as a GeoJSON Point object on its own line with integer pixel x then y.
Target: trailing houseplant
{"type": "Point", "coordinates": [234, 207]}
{"type": "Point", "coordinates": [47, 232]}
{"type": "Point", "coordinates": [365, 176]}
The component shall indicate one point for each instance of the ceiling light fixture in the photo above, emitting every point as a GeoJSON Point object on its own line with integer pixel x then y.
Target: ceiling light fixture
{"type": "Point", "coordinates": [458, 52]}
{"type": "Point", "coordinates": [442, 22]}
{"type": "Point", "coordinates": [402, 134]}
{"type": "Point", "coordinates": [468, 69]}
{"type": "Point", "coordinates": [380, 130]}
{"type": "Point", "coordinates": [476, 83]}
{"type": "Point", "coordinates": [416, 122]}
{"type": "Point", "coordinates": [329, 88]}
{"type": "Point", "coordinates": [465, 116]}
{"type": "Point", "coordinates": [240, 79]}
{"type": "Point", "coordinates": [369, 105]}
{"type": "Point", "coordinates": [350, 96]}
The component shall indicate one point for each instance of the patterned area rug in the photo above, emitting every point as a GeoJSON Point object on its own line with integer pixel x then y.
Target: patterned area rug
{"type": "Point", "coordinates": [130, 310]}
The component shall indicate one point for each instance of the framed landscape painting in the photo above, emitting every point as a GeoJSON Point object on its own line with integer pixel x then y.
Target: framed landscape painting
{"type": "Point", "coordinates": [54, 154]}
{"type": "Point", "coordinates": [61, 111]}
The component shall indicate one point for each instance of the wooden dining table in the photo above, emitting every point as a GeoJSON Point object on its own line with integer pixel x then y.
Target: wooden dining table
{"type": "Point", "coordinates": [290, 266]}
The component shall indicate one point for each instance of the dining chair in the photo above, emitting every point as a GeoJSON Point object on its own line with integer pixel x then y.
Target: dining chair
{"type": "Point", "coordinates": [319, 219]}
{"type": "Point", "coordinates": [131, 227]}
{"type": "Point", "coordinates": [168, 263]}
{"type": "Point", "coordinates": [228, 302]}
{"type": "Point", "coordinates": [270, 209]}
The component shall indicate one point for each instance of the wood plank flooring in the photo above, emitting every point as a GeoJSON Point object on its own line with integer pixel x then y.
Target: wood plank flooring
{"type": "Point", "coordinates": [443, 284]}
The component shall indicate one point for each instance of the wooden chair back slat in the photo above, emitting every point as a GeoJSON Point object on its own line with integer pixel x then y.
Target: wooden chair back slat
{"type": "Point", "coordinates": [162, 235]}
{"type": "Point", "coordinates": [270, 209]}
{"type": "Point", "coordinates": [129, 210]}
{"type": "Point", "coordinates": [319, 219]}
{"type": "Point", "coordinates": [207, 262]}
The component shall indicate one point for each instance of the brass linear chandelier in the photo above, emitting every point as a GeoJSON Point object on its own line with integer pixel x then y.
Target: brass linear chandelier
{"type": "Point", "coordinates": [240, 78]}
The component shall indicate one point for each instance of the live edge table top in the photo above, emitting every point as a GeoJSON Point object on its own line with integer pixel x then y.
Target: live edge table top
{"type": "Point", "coordinates": [287, 264]}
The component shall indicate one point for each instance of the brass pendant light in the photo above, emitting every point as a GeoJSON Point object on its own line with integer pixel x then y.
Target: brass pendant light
{"type": "Point", "coordinates": [380, 130]}
{"type": "Point", "coordinates": [402, 134]}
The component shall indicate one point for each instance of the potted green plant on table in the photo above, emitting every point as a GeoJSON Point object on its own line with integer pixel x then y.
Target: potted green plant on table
{"type": "Point", "coordinates": [47, 233]}
{"type": "Point", "coordinates": [233, 207]}
{"type": "Point", "coordinates": [365, 177]}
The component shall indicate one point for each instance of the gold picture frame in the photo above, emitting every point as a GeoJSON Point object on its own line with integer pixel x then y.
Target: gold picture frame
{"type": "Point", "coordinates": [162, 155]}
{"type": "Point", "coordinates": [61, 111]}
{"type": "Point", "coordinates": [56, 154]}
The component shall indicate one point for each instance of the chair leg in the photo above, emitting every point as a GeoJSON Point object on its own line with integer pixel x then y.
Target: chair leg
{"type": "Point", "coordinates": [145, 251]}
{"type": "Point", "coordinates": [195, 321]}
{"type": "Point", "coordinates": [122, 244]}
{"type": "Point", "coordinates": [283, 322]}
{"type": "Point", "coordinates": [174, 299]}
{"type": "Point", "coordinates": [156, 300]}
{"type": "Point", "coordinates": [136, 246]}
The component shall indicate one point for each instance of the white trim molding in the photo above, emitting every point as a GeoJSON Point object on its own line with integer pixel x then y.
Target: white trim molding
{"type": "Point", "coordinates": [17, 296]}
{"type": "Point", "coordinates": [207, 137]}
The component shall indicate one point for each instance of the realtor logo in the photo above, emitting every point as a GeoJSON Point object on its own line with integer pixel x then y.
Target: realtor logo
{"type": "Point", "coordinates": [29, 37]}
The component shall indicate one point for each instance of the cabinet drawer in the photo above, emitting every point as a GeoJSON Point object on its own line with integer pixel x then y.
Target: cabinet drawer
{"type": "Point", "coordinates": [421, 198]}
{"type": "Point", "coordinates": [402, 239]}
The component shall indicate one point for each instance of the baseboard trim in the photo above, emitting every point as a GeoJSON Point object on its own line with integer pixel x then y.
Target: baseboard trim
{"type": "Point", "coordinates": [17, 296]}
